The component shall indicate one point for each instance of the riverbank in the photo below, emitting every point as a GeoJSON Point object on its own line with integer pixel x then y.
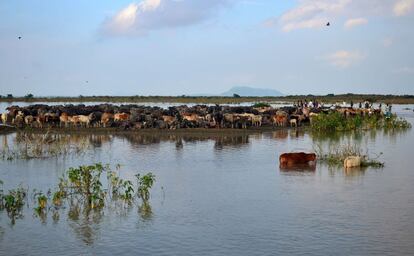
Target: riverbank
{"type": "Point", "coordinates": [328, 99]}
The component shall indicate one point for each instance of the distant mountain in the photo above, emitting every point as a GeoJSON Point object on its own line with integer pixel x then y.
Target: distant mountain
{"type": "Point", "coordinates": [249, 91]}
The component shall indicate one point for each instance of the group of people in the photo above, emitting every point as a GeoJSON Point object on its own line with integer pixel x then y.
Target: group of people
{"type": "Point", "coordinates": [314, 104]}
{"type": "Point", "coordinates": [311, 104]}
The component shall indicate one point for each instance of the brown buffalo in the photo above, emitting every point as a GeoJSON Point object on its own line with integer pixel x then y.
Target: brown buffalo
{"type": "Point", "coordinates": [292, 159]}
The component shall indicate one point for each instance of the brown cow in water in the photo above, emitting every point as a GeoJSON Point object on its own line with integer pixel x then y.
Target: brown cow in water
{"type": "Point", "coordinates": [293, 159]}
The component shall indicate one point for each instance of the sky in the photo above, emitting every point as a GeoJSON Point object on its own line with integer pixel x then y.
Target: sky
{"type": "Point", "coordinates": [176, 47]}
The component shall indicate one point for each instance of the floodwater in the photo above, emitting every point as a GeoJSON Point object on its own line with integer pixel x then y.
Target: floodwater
{"type": "Point", "coordinates": [223, 194]}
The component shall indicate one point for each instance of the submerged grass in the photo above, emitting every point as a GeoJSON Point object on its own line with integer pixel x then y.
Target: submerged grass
{"type": "Point", "coordinates": [337, 156]}
{"type": "Point", "coordinates": [82, 189]}
{"type": "Point", "coordinates": [31, 145]}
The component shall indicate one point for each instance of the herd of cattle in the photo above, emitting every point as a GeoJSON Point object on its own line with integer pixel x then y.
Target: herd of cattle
{"type": "Point", "coordinates": [142, 117]}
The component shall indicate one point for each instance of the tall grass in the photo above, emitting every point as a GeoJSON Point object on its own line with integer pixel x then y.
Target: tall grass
{"type": "Point", "coordinates": [337, 155]}
{"type": "Point", "coordinates": [335, 121]}
{"type": "Point", "coordinates": [44, 145]}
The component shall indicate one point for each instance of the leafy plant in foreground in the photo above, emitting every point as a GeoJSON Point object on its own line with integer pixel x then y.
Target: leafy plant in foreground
{"type": "Point", "coordinates": [145, 183]}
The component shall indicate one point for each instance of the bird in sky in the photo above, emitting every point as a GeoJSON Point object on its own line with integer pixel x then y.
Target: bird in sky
{"type": "Point", "coordinates": [19, 37]}
{"type": "Point", "coordinates": [328, 24]}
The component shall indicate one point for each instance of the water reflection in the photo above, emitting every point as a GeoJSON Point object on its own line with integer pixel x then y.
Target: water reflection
{"type": "Point", "coordinates": [85, 222]}
{"type": "Point", "coordinates": [310, 168]}
{"type": "Point", "coordinates": [145, 211]}
{"type": "Point", "coordinates": [354, 172]}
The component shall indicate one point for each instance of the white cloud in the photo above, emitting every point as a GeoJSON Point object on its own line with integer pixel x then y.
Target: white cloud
{"type": "Point", "coordinates": [124, 20]}
{"type": "Point", "coordinates": [403, 7]}
{"type": "Point", "coordinates": [311, 14]}
{"type": "Point", "coordinates": [147, 15]}
{"type": "Point", "coordinates": [344, 59]}
{"type": "Point", "coordinates": [355, 22]}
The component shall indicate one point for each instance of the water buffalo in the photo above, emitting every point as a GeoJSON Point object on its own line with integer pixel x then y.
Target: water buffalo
{"type": "Point", "coordinates": [352, 161]}
{"type": "Point", "coordinates": [292, 159]}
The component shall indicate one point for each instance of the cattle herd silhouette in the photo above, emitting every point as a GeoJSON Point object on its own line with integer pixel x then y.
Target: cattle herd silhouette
{"type": "Point", "coordinates": [135, 117]}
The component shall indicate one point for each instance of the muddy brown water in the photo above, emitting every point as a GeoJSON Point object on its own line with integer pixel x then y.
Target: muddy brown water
{"type": "Point", "coordinates": [223, 194]}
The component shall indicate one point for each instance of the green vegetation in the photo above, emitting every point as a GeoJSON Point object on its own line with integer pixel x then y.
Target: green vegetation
{"type": "Point", "coordinates": [330, 98]}
{"type": "Point", "coordinates": [337, 156]}
{"type": "Point", "coordinates": [261, 105]}
{"type": "Point", "coordinates": [82, 188]}
{"type": "Point", "coordinates": [41, 202]}
{"type": "Point", "coordinates": [145, 183]}
{"type": "Point", "coordinates": [12, 202]}
{"type": "Point", "coordinates": [335, 121]}
{"type": "Point", "coordinates": [29, 96]}
{"type": "Point", "coordinates": [85, 181]}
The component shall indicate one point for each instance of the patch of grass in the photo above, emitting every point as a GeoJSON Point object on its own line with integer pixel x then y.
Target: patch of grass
{"type": "Point", "coordinates": [261, 105]}
{"type": "Point", "coordinates": [337, 156]}
{"type": "Point", "coordinates": [13, 202]}
{"type": "Point", "coordinates": [335, 121]}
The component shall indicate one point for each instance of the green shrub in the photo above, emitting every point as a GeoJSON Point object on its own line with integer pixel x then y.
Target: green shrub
{"type": "Point", "coordinates": [336, 121]}
{"type": "Point", "coordinates": [261, 105]}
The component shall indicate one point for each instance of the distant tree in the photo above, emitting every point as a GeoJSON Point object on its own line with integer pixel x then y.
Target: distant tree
{"type": "Point", "coordinates": [10, 96]}
{"type": "Point", "coordinates": [235, 95]}
{"type": "Point", "coordinates": [1, 96]}
{"type": "Point", "coordinates": [29, 96]}
{"type": "Point", "coordinates": [330, 95]}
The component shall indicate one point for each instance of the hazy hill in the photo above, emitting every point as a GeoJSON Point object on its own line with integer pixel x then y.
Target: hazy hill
{"type": "Point", "coordinates": [245, 91]}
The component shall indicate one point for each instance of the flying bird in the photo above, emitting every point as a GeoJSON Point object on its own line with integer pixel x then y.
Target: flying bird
{"type": "Point", "coordinates": [19, 37]}
{"type": "Point", "coordinates": [328, 24]}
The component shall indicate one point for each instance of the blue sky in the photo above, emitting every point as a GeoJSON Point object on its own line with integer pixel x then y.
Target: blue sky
{"type": "Point", "coordinates": [175, 47]}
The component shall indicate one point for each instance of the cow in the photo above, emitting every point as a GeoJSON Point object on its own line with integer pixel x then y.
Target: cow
{"type": "Point", "coordinates": [84, 120]}
{"type": "Point", "coordinates": [257, 120]}
{"type": "Point", "coordinates": [168, 120]}
{"type": "Point", "coordinates": [40, 120]}
{"type": "Point", "coordinates": [279, 120]}
{"type": "Point", "coordinates": [64, 119]}
{"type": "Point", "coordinates": [106, 119]}
{"type": "Point", "coordinates": [95, 119]}
{"type": "Point", "coordinates": [121, 117]}
{"type": "Point", "coordinates": [352, 162]}
{"type": "Point", "coordinates": [229, 118]}
{"type": "Point", "coordinates": [191, 117]}
{"type": "Point", "coordinates": [293, 122]}
{"type": "Point", "coordinates": [19, 119]}
{"type": "Point", "coordinates": [28, 120]}
{"type": "Point", "coordinates": [301, 158]}
{"type": "Point", "coordinates": [6, 118]}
